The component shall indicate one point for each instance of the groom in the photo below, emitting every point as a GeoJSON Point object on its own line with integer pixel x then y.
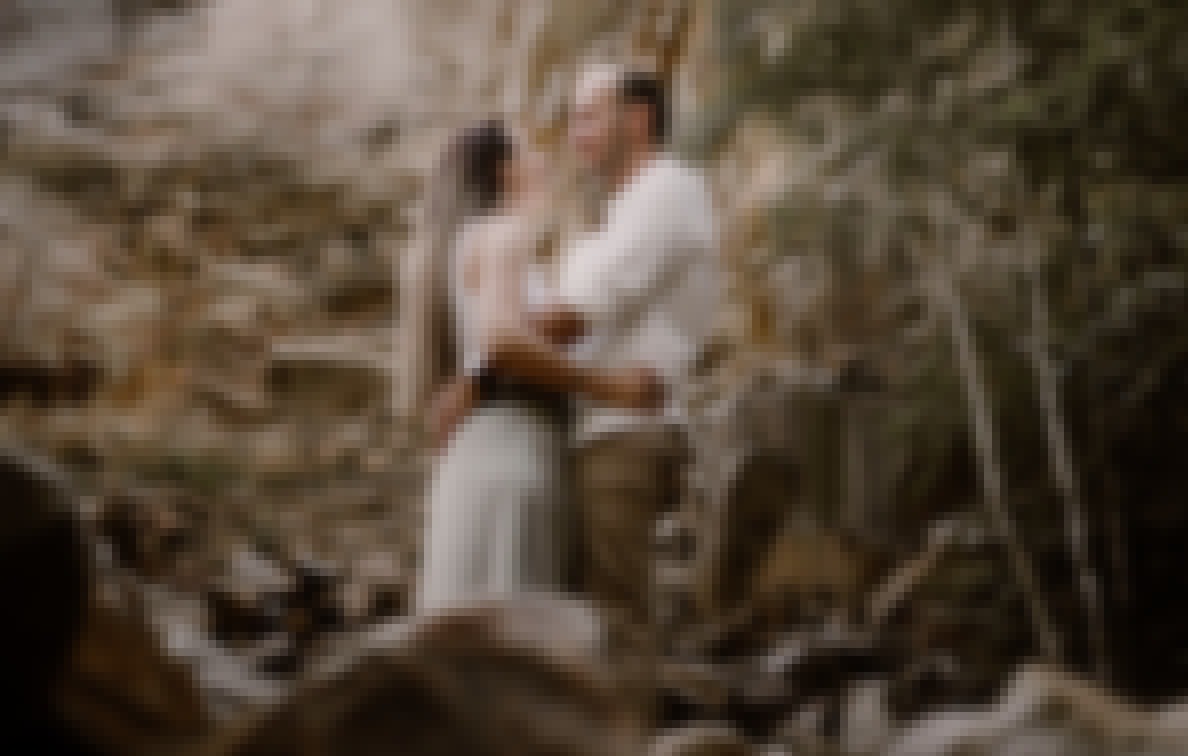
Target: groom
{"type": "Point", "coordinates": [639, 297]}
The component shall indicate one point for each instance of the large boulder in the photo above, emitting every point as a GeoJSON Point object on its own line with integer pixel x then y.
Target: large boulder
{"type": "Point", "coordinates": [1044, 711]}
{"type": "Point", "coordinates": [702, 740]}
{"type": "Point", "coordinates": [499, 678]}
{"type": "Point", "coordinates": [81, 654]}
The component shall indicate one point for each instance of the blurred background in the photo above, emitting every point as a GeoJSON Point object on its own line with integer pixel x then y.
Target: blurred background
{"type": "Point", "coordinates": [942, 435]}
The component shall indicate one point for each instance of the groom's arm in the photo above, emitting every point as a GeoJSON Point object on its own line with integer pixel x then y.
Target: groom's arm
{"type": "Point", "coordinates": [648, 243]}
{"type": "Point", "coordinates": [541, 363]}
{"type": "Point", "coordinates": [536, 356]}
{"type": "Point", "coordinates": [532, 360]}
{"type": "Point", "coordinates": [561, 326]}
{"type": "Point", "coordinates": [649, 246]}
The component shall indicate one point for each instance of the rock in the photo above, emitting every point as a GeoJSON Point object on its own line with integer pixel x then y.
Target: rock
{"type": "Point", "coordinates": [776, 468]}
{"type": "Point", "coordinates": [1169, 731]}
{"type": "Point", "coordinates": [566, 627]}
{"type": "Point", "coordinates": [814, 669]}
{"type": "Point", "coordinates": [1044, 711]}
{"type": "Point", "coordinates": [692, 690]}
{"type": "Point", "coordinates": [45, 566]}
{"type": "Point", "coordinates": [957, 632]}
{"type": "Point", "coordinates": [675, 537]}
{"type": "Point", "coordinates": [806, 575]}
{"type": "Point", "coordinates": [78, 642]}
{"type": "Point", "coordinates": [476, 681]}
{"type": "Point", "coordinates": [347, 371]}
{"type": "Point", "coordinates": [702, 740]}
{"type": "Point", "coordinates": [125, 688]}
{"type": "Point", "coordinates": [150, 531]}
{"type": "Point", "coordinates": [866, 723]}
{"type": "Point", "coordinates": [47, 383]}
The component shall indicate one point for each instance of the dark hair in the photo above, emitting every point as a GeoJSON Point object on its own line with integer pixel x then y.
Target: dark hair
{"type": "Point", "coordinates": [638, 88]}
{"type": "Point", "coordinates": [484, 148]}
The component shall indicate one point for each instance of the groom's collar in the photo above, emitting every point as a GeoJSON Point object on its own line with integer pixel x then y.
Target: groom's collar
{"type": "Point", "coordinates": [643, 173]}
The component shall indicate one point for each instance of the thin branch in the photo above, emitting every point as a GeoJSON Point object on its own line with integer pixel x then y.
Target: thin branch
{"type": "Point", "coordinates": [938, 283]}
{"type": "Point", "coordinates": [1063, 469]}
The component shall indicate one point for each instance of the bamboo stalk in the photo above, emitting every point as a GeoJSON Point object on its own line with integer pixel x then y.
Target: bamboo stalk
{"type": "Point", "coordinates": [1063, 470]}
{"type": "Point", "coordinates": [938, 284]}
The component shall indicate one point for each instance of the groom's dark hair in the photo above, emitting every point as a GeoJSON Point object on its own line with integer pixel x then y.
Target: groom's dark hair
{"type": "Point", "coordinates": [639, 88]}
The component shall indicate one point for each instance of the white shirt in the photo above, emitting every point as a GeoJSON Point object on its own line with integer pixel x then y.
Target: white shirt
{"type": "Point", "coordinates": [648, 283]}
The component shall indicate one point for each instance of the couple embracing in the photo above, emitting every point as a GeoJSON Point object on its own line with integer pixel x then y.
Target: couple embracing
{"type": "Point", "coordinates": [560, 433]}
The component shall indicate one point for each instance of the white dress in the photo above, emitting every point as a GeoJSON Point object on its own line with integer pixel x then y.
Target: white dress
{"type": "Point", "coordinates": [496, 522]}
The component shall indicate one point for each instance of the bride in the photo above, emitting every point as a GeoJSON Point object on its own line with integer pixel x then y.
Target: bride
{"type": "Point", "coordinates": [497, 511]}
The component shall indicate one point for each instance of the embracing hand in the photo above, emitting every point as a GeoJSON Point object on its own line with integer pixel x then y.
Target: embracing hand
{"type": "Point", "coordinates": [637, 388]}
{"type": "Point", "coordinates": [449, 408]}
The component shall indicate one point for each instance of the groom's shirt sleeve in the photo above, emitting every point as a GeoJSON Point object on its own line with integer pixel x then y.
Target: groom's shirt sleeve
{"type": "Point", "coordinates": [646, 239]}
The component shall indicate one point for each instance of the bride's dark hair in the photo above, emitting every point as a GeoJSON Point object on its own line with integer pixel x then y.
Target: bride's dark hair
{"type": "Point", "coordinates": [467, 181]}
{"type": "Point", "coordinates": [483, 149]}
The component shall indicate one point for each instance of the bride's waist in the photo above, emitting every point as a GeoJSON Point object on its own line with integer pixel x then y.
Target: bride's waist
{"type": "Point", "coordinates": [503, 393]}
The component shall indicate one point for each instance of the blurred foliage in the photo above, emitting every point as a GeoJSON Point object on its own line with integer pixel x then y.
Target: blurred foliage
{"type": "Point", "coordinates": [1026, 153]}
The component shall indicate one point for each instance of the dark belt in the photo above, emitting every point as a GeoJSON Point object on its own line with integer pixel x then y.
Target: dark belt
{"type": "Point", "coordinates": [497, 390]}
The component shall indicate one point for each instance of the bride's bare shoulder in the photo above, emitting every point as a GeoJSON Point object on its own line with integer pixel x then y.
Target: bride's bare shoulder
{"type": "Point", "coordinates": [497, 236]}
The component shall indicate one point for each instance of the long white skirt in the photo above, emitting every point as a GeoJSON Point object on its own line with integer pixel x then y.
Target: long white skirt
{"type": "Point", "coordinates": [496, 519]}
